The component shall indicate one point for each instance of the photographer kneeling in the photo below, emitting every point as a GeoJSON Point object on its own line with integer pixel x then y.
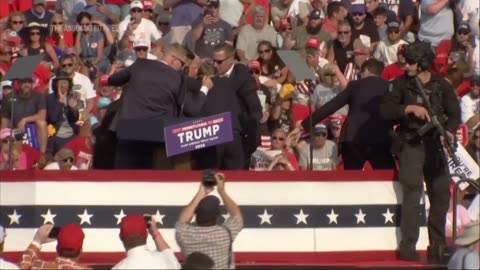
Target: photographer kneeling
{"type": "Point", "coordinates": [207, 235]}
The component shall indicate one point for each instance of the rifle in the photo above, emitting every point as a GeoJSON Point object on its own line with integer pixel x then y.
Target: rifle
{"type": "Point", "coordinates": [449, 146]}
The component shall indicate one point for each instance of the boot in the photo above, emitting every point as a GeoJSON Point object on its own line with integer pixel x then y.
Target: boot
{"type": "Point", "coordinates": [408, 253]}
{"type": "Point", "coordinates": [438, 254]}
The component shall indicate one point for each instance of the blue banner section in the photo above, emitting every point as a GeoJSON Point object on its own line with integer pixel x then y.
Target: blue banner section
{"type": "Point", "coordinates": [255, 216]}
{"type": "Point", "coordinates": [197, 134]}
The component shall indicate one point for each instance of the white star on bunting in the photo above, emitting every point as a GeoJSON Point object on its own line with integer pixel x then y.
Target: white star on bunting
{"type": "Point", "coordinates": [360, 217]}
{"type": "Point", "coordinates": [48, 217]}
{"type": "Point", "coordinates": [158, 217]}
{"type": "Point", "coordinates": [85, 217]}
{"type": "Point", "coordinates": [120, 216]}
{"type": "Point", "coordinates": [265, 217]}
{"type": "Point", "coordinates": [14, 217]}
{"type": "Point", "coordinates": [301, 217]}
{"type": "Point", "coordinates": [388, 216]}
{"type": "Point", "coordinates": [333, 217]}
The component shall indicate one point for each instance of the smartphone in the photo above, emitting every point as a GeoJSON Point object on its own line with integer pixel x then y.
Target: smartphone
{"type": "Point", "coordinates": [132, 19]}
{"type": "Point", "coordinates": [54, 233]}
{"type": "Point", "coordinates": [148, 219]}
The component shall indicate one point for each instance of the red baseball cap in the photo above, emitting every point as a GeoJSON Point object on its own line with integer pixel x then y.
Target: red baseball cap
{"type": "Point", "coordinates": [133, 224]}
{"type": "Point", "coordinates": [148, 4]}
{"type": "Point", "coordinates": [313, 43]}
{"type": "Point", "coordinates": [70, 238]}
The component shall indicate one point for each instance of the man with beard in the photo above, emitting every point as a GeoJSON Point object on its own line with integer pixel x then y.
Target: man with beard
{"type": "Point", "coordinates": [300, 34]}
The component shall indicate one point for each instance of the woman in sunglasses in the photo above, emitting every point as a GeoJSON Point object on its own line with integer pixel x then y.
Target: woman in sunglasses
{"type": "Point", "coordinates": [272, 66]}
{"type": "Point", "coordinates": [34, 38]}
{"type": "Point", "coordinates": [59, 37]}
{"type": "Point", "coordinates": [90, 43]}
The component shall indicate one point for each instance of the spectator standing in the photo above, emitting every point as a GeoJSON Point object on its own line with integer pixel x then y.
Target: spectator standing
{"type": "Point", "coordinates": [363, 27]}
{"type": "Point", "coordinates": [467, 257]}
{"type": "Point", "coordinates": [209, 31]}
{"type": "Point", "coordinates": [296, 10]}
{"type": "Point", "coordinates": [470, 12]}
{"type": "Point", "coordinates": [380, 20]}
{"type": "Point", "coordinates": [341, 52]}
{"type": "Point", "coordinates": [336, 13]}
{"type": "Point", "coordinates": [184, 14]}
{"type": "Point", "coordinates": [69, 9]}
{"type": "Point", "coordinates": [30, 108]}
{"type": "Point", "coordinates": [3, 263]}
{"type": "Point", "coordinates": [206, 235]}
{"type": "Point", "coordinates": [436, 21]}
{"type": "Point", "coordinates": [251, 34]}
{"type": "Point", "coordinates": [38, 14]}
{"type": "Point", "coordinates": [133, 234]}
{"type": "Point", "coordinates": [69, 248]}
{"type": "Point", "coordinates": [130, 30]}
{"type": "Point", "coordinates": [387, 49]}
{"type": "Point", "coordinates": [99, 11]}
{"type": "Point", "coordinates": [300, 34]}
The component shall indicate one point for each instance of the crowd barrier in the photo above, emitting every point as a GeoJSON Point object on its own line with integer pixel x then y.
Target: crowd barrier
{"type": "Point", "coordinates": [291, 218]}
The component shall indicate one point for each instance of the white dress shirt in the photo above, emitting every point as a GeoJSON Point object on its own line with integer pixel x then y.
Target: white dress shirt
{"type": "Point", "coordinates": [142, 258]}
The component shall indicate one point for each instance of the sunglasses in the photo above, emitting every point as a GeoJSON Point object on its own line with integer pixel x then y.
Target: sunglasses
{"type": "Point", "coordinates": [57, 23]}
{"type": "Point", "coordinates": [396, 31]}
{"type": "Point", "coordinates": [254, 71]}
{"type": "Point", "coordinates": [219, 62]}
{"type": "Point", "coordinates": [463, 32]}
{"type": "Point", "coordinates": [410, 61]}
{"type": "Point", "coordinates": [149, 10]}
{"type": "Point", "coordinates": [68, 160]}
{"type": "Point", "coordinates": [141, 49]}
{"type": "Point", "coordinates": [163, 23]}
{"type": "Point", "coordinates": [213, 6]}
{"type": "Point", "coordinates": [35, 33]}
{"type": "Point", "coordinates": [264, 51]}
{"type": "Point", "coordinates": [321, 134]}
{"type": "Point", "coordinates": [136, 10]}
{"type": "Point", "coordinates": [278, 138]}
{"type": "Point", "coordinates": [17, 22]}
{"type": "Point", "coordinates": [343, 32]}
{"type": "Point", "coordinates": [67, 65]}
{"type": "Point", "coordinates": [357, 14]}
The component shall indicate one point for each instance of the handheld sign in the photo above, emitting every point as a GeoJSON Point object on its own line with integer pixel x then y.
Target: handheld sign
{"type": "Point", "coordinates": [197, 134]}
{"type": "Point", "coordinates": [467, 166]}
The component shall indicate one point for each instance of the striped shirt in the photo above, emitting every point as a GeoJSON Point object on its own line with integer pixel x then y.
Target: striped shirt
{"type": "Point", "coordinates": [30, 260]}
{"type": "Point", "coordinates": [213, 241]}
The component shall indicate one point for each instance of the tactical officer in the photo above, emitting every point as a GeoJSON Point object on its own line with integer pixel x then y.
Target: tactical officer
{"type": "Point", "coordinates": [420, 147]}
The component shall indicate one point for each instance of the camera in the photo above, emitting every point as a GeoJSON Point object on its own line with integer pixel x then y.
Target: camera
{"type": "Point", "coordinates": [208, 179]}
{"type": "Point", "coordinates": [17, 135]}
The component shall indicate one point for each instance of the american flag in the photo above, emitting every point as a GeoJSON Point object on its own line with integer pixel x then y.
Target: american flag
{"type": "Point", "coordinates": [284, 213]}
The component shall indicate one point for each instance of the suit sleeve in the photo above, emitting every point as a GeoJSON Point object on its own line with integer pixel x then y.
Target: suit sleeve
{"type": "Point", "coordinates": [120, 78]}
{"type": "Point", "coordinates": [192, 99]}
{"type": "Point", "coordinates": [392, 107]}
{"type": "Point", "coordinates": [328, 108]}
{"type": "Point", "coordinates": [248, 94]}
{"type": "Point", "coordinates": [451, 107]}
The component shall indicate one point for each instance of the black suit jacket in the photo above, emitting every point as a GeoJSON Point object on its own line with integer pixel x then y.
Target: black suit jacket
{"type": "Point", "coordinates": [364, 124]}
{"type": "Point", "coordinates": [155, 96]}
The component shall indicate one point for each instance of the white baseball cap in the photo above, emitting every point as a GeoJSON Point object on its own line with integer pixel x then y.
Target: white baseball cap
{"type": "Point", "coordinates": [141, 43]}
{"type": "Point", "coordinates": [2, 234]}
{"type": "Point", "coordinates": [136, 4]}
{"type": "Point", "coordinates": [5, 83]}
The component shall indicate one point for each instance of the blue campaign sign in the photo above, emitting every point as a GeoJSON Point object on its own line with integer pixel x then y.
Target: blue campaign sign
{"type": "Point", "coordinates": [197, 134]}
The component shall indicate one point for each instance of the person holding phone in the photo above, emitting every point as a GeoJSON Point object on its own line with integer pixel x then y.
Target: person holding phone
{"type": "Point", "coordinates": [137, 27]}
{"type": "Point", "coordinates": [69, 248]}
{"type": "Point", "coordinates": [133, 234]}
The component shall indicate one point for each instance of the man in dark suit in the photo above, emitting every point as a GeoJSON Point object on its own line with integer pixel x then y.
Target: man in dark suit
{"type": "Point", "coordinates": [234, 90]}
{"type": "Point", "coordinates": [154, 99]}
{"type": "Point", "coordinates": [365, 135]}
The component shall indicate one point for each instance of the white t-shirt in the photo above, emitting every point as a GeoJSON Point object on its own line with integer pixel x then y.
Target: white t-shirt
{"type": "Point", "coordinates": [7, 265]}
{"type": "Point", "coordinates": [146, 30]}
{"type": "Point", "coordinates": [82, 85]}
{"type": "Point", "coordinates": [469, 107]}
{"type": "Point", "coordinates": [386, 52]}
{"type": "Point", "coordinates": [56, 166]}
{"type": "Point", "coordinates": [142, 258]}
{"type": "Point", "coordinates": [230, 11]}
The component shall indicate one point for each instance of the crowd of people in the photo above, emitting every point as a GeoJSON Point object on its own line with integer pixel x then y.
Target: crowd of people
{"type": "Point", "coordinates": [115, 73]}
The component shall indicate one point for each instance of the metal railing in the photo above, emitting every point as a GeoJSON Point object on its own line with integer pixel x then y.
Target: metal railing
{"type": "Point", "coordinates": [462, 180]}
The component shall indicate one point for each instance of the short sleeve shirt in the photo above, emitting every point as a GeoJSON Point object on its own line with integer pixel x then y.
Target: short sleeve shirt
{"type": "Point", "coordinates": [213, 35]}
{"type": "Point", "coordinates": [24, 107]}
